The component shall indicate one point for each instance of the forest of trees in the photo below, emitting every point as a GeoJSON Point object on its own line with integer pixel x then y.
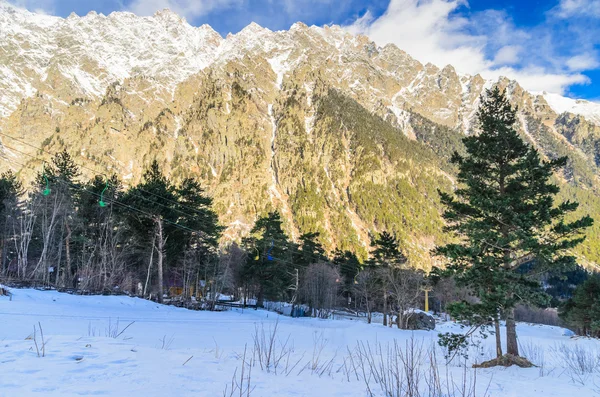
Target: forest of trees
{"type": "Point", "coordinates": [95, 236]}
{"type": "Point", "coordinates": [158, 239]}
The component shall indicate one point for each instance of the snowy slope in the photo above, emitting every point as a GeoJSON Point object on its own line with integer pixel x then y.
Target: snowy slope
{"type": "Point", "coordinates": [148, 357]}
{"type": "Point", "coordinates": [560, 104]}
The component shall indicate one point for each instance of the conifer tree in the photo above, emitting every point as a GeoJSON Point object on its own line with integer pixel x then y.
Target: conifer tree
{"type": "Point", "coordinates": [349, 267]}
{"type": "Point", "coordinates": [582, 311]}
{"type": "Point", "coordinates": [10, 189]}
{"type": "Point", "coordinates": [311, 251]}
{"type": "Point", "coordinates": [155, 196]}
{"type": "Point", "coordinates": [504, 216]}
{"type": "Point", "coordinates": [387, 257]}
{"type": "Point", "coordinates": [270, 258]}
{"type": "Point", "coordinates": [198, 239]}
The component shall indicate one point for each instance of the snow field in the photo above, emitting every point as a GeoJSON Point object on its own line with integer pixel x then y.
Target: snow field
{"type": "Point", "coordinates": [169, 351]}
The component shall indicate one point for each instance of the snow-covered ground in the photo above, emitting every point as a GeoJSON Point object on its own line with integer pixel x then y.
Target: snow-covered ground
{"type": "Point", "coordinates": [169, 351]}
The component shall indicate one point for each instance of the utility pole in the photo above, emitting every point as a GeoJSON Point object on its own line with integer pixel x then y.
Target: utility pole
{"type": "Point", "coordinates": [426, 289]}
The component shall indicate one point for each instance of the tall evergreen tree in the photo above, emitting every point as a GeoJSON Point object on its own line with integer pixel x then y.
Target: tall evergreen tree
{"type": "Point", "coordinates": [349, 266]}
{"type": "Point", "coordinates": [156, 199]}
{"type": "Point", "coordinates": [198, 236]}
{"type": "Point", "coordinates": [311, 251]}
{"type": "Point", "coordinates": [270, 259]}
{"type": "Point", "coordinates": [503, 215]}
{"type": "Point", "coordinates": [582, 311]}
{"type": "Point", "coordinates": [387, 251]}
{"type": "Point", "coordinates": [10, 190]}
{"type": "Point", "coordinates": [194, 211]}
{"type": "Point", "coordinates": [58, 194]}
{"type": "Point", "coordinates": [386, 257]}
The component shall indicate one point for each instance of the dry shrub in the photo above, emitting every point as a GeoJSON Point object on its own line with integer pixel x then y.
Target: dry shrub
{"type": "Point", "coordinates": [537, 315]}
{"type": "Point", "coordinates": [411, 370]}
{"type": "Point", "coordinates": [507, 360]}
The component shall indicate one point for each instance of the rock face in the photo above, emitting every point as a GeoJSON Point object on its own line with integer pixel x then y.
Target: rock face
{"type": "Point", "coordinates": [343, 137]}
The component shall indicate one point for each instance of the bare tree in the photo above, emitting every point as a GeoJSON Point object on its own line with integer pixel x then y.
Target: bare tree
{"type": "Point", "coordinates": [51, 213]}
{"type": "Point", "coordinates": [23, 232]}
{"type": "Point", "coordinates": [405, 286]}
{"type": "Point", "coordinates": [367, 290]}
{"type": "Point", "coordinates": [320, 288]}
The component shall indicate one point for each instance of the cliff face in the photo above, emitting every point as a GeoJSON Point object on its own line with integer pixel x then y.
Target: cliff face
{"type": "Point", "coordinates": [342, 136]}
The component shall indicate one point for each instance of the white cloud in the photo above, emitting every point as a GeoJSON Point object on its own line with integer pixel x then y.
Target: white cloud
{"type": "Point", "coordinates": [507, 55]}
{"type": "Point", "coordinates": [583, 62]}
{"type": "Point", "coordinates": [569, 8]}
{"type": "Point", "coordinates": [428, 31]}
{"type": "Point", "coordinates": [37, 6]}
{"type": "Point", "coordinates": [538, 79]}
{"type": "Point", "coordinates": [446, 32]}
{"type": "Point", "coordinates": [188, 8]}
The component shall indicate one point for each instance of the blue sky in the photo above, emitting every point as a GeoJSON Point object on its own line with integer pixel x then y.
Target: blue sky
{"type": "Point", "coordinates": [551, 45]}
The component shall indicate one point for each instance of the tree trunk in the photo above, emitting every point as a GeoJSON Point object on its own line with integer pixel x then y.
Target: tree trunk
{"type": "Point", "coordinates": [149, 268]}
{"type": "Point", "coordinates": [68, 249]}
{"type": "Point", "coordinates": [498, 337]}
{"type": "Point", "coordinates": [512, 347]}
{"type": "Point", "coordinates": [47, 230]}
{"type": "Point", "coordinates": [260, 299]}
{"type": "Point", "coordinates": [385, 320]}
{"type": "Point", "coordinates": [161, 245]}
{"type": "Point", "coordinates": [3, 256]}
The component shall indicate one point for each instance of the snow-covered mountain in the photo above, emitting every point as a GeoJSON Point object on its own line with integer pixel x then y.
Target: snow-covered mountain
{"type": "Point", "coordinates": [342, 136]}
{"type": "Point", "coordinates": [89, 53]}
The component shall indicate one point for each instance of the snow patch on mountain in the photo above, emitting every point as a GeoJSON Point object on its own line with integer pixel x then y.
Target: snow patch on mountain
{"type": "Point", "coordinates": [279, 66]}
{"type": "Point", "coordinates": [560, 104]}
{"type": "Point", "coordinates": [94, 51]}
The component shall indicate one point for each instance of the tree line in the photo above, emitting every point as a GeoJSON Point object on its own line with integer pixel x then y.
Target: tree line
{"type": "Point", "coordinates": [157, 239]}
{"type": "Point", "coordinates": [94, 235]}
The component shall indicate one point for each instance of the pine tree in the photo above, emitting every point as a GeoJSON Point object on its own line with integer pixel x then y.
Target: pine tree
{"type": "Point", "coordinates": [269, 263]}
{"type": "Point", "coordinates": [349, 266]}
{"type": "Point", "coordinates": [503, 214]}
{"type": "Point", "coordinates": [311, 251]}
{"type": "Point", "coordinates": [387, 251]}
{"type": "Point", "coordinates": [198, 236]}
{"type": "Point", "coordinates": [152, 226]}
{"type": "Point", "coordinates": [386, 257]}
{"type": "Point", "coordinates": [582, 311]}
{"type": "Point", "coordinates": [10, 190]}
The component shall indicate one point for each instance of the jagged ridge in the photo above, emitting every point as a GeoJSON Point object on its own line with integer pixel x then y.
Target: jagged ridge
{"type": "Point", "coordinates": [248, 115]}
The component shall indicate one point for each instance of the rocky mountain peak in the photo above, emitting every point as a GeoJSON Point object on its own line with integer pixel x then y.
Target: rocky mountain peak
{"type": "Point", "coordinates": [313, 121]}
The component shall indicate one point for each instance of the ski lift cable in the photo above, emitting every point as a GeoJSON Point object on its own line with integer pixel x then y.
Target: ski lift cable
{"type": "Point", "coordinates": [121, 204]}
{"type": "Point", "coordinates": [136, 195]}
{"type": "Point", "coordinates": [96, 172]}
{"type": "Point", "coordinates": [270, 257]}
